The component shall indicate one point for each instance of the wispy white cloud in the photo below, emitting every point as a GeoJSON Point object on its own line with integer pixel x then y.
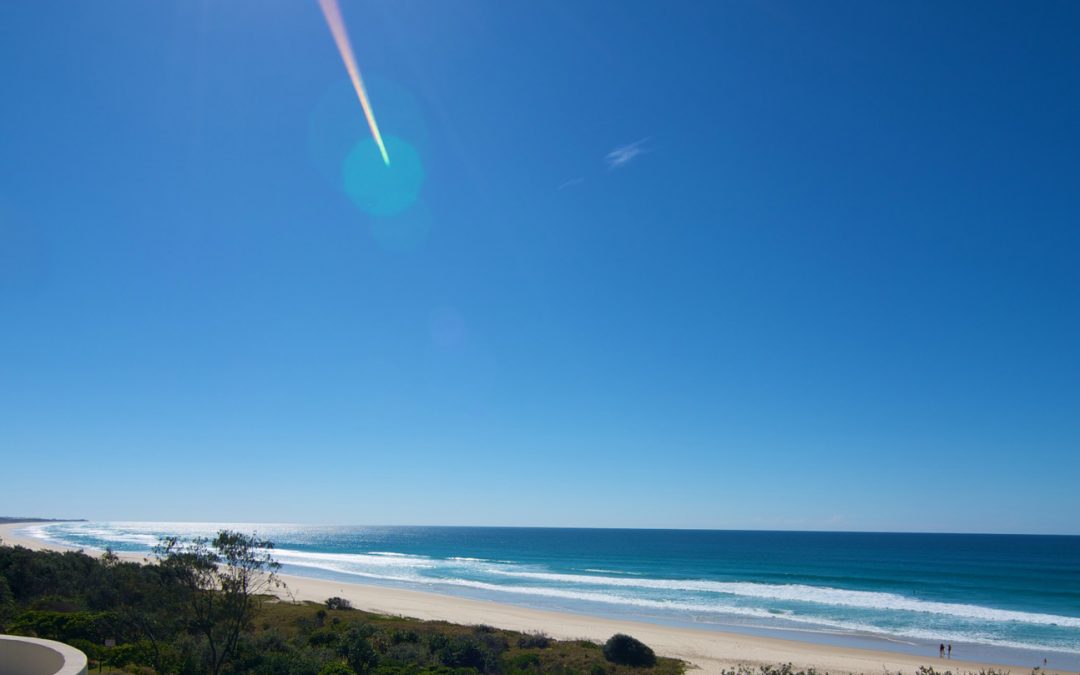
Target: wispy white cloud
{"type": "Point", "coordinates": [573, 182]}
{"type": "Point", "coordinates": [624, 154]}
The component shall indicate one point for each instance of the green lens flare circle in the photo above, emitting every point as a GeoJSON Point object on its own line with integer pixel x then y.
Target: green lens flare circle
{"type": "Point", "coordinates": [378, 188]}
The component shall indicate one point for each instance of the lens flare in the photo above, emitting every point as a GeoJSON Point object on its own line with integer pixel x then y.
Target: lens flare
{"type": "Point", "coordinates": [332, 13]}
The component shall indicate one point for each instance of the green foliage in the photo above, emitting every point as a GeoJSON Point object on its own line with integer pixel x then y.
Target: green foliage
{"type": "Point", "coordinates": [524, 661]}
{"type": "Point", "coordinates": [35, 574]}
{"type": "Point", "coordinates": [534, 641]}
{"type": "Point", "coordinates": [336, 668]}
{"type": "Point", "coordinates": [625, 650]}
{"type": "Point", "coordinates": [357, 649]}
{"type": "Point", "coordinates": [7, 604]}
{"type": "Point", "coordinates": [481, 652]}
{"type": "Point", "coordinates": [157, 615]}
{"type": "Point", "coordinates": [324, 637]}
{"type": "Point", "coordinates": [57, 603]}
{"type": "Point", "coordinates": [224, 579]}
{"type": "Point", "coordinates": [93, 626]}
{"type": "Point", "coordinates": [338, 603]}
{"type": "Point", "coordinates": [404, 636]}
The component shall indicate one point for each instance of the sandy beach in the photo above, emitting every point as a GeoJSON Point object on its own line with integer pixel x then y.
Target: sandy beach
{"type": "Point", "coordinates": [707, 650]}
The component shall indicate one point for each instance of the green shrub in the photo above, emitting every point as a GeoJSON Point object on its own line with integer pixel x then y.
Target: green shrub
{"type": "Point", "coordinates": [403, 653]}
{"type": "Point", "coordinates": [407, 636]}
{"type": "Point", "coordinates": [628, 651]}
{"type": "Point", "coordinates": [56, 603]}
{"type": "Point", "coordinates": [461, 653]}
{"type": "Point", "coordinates": [336, 668]}
{"type": "Point", "coordinates": [338, 603]}
{"type": "Point", "coordinates": [481, 652]}
{"type": "Point", "coordinates": [534, 641]}
{"type": "Point", "coordinates": [322, 637]}
{"type": "Point", "coordinates": [525, 661]}
{"type": "Point", "coordinates": [63, 626]}
{"type": "Point", "coordinates": [7, 604]}
{"type": "Point", "coordinates": [357, 649]}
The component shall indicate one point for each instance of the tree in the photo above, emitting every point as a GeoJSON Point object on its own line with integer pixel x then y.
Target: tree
{"type": "Point", "coordinates": [148, 604]}
{"type": "Point", "coordinates": [225, 579]}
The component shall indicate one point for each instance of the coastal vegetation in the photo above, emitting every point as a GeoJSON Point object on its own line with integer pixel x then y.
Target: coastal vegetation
{"type": "Point", "coordinates": [628, 651]}
{"type": "Point", "coordinates": [207, 606]}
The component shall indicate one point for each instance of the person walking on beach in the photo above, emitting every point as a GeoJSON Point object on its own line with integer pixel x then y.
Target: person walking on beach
{"type": "Point", "coordinates": [941, 650]}
{"type": "Point", "coordinates": [950, 650]}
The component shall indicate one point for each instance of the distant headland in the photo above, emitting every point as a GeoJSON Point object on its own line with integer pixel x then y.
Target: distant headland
{"type": "Point", "coordinates": [7, 520]}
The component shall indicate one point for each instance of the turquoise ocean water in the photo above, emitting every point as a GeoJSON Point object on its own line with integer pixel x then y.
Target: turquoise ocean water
{"type": "Point", "coordinates": [1012, 599]}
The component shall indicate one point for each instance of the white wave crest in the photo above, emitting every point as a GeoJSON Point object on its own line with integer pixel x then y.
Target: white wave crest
{"type": "Point", "coordinates": [822, 595]}
{"type": "Point", "coordinates": [714, 612]}
{"type": "Point", "coordinates": [352, 561]}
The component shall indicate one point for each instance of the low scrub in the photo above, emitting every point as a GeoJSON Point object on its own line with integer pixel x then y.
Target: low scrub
{"type": "Point", "coordinates": [628, 651]}
{"type": "Point", "coordinates": [145, 614]}
{"type": "Point", "coordinates": [338, 603]}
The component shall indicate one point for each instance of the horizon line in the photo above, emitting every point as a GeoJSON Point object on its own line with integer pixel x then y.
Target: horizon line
{"type": "Point", "coordinates": [9, 520]}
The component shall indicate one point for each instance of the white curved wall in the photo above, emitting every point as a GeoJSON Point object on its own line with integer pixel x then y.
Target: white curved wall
{"type": "Point", "coordinates": [31, 656]}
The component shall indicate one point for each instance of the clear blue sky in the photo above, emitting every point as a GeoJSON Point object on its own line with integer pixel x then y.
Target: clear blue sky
{"type": "Point", "coordinates": [721, 264]}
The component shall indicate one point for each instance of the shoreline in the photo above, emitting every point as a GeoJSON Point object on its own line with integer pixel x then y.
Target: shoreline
{"type": "Point", "coordinates": [708, 651]}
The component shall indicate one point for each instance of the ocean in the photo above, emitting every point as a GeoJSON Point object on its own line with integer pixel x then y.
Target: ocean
{"type": "Point", "coordinates": [1010, 599]}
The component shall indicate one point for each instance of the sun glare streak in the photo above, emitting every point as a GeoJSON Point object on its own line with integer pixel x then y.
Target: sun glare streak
{"type": "Point", "coordinates": [332, 12]}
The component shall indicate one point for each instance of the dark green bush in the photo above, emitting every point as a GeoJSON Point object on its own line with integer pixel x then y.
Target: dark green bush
{"type": "Point", "coordinates": [92, 626]}
{"type": "Point", "coordinates": [407, 636]}
{"type": "Point", "coordinates": [57, 603]}
{"type": "Point", "coordinates": [336, 668]}
{"type": "Point", "coordinates": [437, 641]}
{"type": "Point", "coordinates": [461, 653]}
{"type": "Point", "coordinates": [525, 661]}
{"type": "Point", "coordinates": [404, 653]}
{"type": "Point", "coordinates": [534, 641]}
{"type": "Point", "coordinates": [482, 652]}
{"type": "Point", "coordinates": [357, 650]}
{"type": "Point", "coordinates": [338, 603]}
{"type": "Point", "coordinates": [7, 604]}
{"type": "Point", "coordinates": [628, 651]}
{"type": "Point", "coordinates": [322, 637]}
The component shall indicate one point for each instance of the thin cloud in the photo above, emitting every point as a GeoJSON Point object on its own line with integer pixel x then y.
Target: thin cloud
{"type": "Point", "coordinates": [573, 182]}
{"type": "Point", "coordinates": [624, 154]}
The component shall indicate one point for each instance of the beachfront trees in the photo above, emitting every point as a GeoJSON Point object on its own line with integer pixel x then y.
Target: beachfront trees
{"type": "Point", "coordinates": [162, 619]}
{"type": "Point", "coordinates": [225, 578]}
{"type": "Point", "coordinates": [146, 603]}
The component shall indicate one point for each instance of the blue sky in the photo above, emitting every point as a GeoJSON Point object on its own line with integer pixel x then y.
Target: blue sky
{"type": "Point", "coordinates": [732, 265]}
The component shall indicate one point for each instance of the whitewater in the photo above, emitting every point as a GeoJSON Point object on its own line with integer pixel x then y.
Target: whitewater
{"type": "Point", "coordinates": [1012, 598]}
